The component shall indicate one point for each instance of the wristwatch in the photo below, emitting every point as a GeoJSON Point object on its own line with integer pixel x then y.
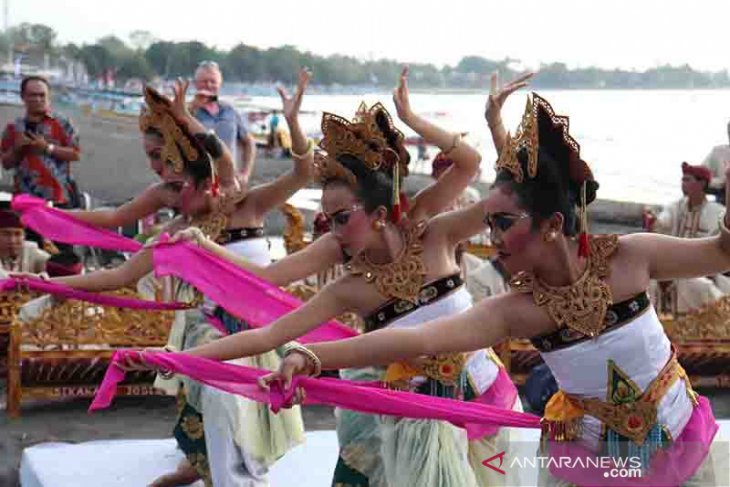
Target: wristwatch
{"type": "Point", "coordinates": [49, 149]}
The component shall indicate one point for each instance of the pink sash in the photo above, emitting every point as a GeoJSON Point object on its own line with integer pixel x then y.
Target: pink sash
{"type": "Point", "coordinates": [501, 394]}
{"type": "Point", "coordinates": [351, 395]}
{"type": "Point", "coordinates": [47, 287]}
{"type": "Point", "coordinates": [64, 227]}
{"type": "Point", "coordinates": [240, 292]}
{"type": "Point", "coordinates": [669, 467]}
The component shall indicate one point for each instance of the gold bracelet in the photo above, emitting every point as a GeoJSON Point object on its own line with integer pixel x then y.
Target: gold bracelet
{"type": "Point", "coordinates": [309, 150]}
{"type": "Point", "coordinates": [456, 142]}
{"type": "Point", "coordinates": [310, 355]}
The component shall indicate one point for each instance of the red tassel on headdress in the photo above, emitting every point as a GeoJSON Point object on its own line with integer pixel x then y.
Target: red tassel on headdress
{"type": "Point", "coordinates": [395, 213]}
{"type": "Point", "coordinates": [584, 247]}
{"type": "Point", "coordinates": [215, 188]}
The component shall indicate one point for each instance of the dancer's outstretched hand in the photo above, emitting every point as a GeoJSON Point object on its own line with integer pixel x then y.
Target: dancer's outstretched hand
{"type": "Point", "coordinates": [190, 234]}
{"type": "Point", "coordinates": [401, 97]}
{"type": "Point", "coordinates": [499, 94]}
{"type": "Point", "coordinates": [137, 362]}
{"type": "Point", "coordinates": [291, 104]}
{"type": "Point", "coordinates": [293, 364]}
{"type": "Point", "coordinates": [179, 107]}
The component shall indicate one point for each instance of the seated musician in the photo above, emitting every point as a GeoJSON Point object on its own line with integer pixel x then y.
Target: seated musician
{"type": "Point", "coordinates": [693, 216]}
{"type": "Point", "coordinates": [16, 253]}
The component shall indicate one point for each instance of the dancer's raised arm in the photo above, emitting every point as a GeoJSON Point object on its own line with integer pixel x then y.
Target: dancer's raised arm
{"type": "Point", "coordinates": [271, 195]}
{"type": "Point", "coordinates": [224, 164]}
{"type": "Point", "coordinates": [493, 112]}
{"type": "Point", "coordinates": [433, 199]}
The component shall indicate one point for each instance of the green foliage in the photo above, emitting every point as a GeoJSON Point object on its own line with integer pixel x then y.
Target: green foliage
{"type": "Point", "coordinates": [147, 58]}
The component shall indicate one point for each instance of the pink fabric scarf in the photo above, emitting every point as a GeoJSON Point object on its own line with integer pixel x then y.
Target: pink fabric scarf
{"type": "Point", "coordinates": [47, 287]}
{"type": "Point", "coordinates": [369, 398]}
{"type": "Point", "coordinates": [64, 227]}
{"type": "Point", "coordinates": [240, 292]}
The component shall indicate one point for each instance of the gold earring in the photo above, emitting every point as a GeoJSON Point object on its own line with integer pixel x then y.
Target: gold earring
{"type": "Point", "coordinates": [378, 225]}
{"type": "Point", "coordinates": [551, 236]}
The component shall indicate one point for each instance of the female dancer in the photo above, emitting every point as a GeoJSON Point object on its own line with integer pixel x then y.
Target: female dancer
{"type": "Point", "coordinates": [238, 439]}
{"type": "Point", "coordinates": [398, 273]}
{"type": "Point", "coordinates": [583, 303]}
{"type": "Point", "coordinates": [166, 162]}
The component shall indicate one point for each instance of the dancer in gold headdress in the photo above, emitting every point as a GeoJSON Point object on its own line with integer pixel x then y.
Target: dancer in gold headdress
{"type": "Point", "coordinates": [228, 441]}
{"type": "Point", "coordinates": [583, 302]}
{"type": "Point", "coordinates": [399, 272]}
{"type": "Point", "coordinates": [157, 124]}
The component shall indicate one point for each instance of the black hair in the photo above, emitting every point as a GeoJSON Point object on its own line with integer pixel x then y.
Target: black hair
{"type": "Point", "coordinates": [67, 257]}
{"type": "Point", "coordinates": [201, 169]}
{"type": "Point", "coordinates": [28, 79]}
{"type": "Point", "coordinates": [212, 144]}
{"type": "Point", "coordinates": [153, 132]}
{"type": "Point", "coordinates": [551, 191]}
{"type": "Point", "coordinates": [373, 188]}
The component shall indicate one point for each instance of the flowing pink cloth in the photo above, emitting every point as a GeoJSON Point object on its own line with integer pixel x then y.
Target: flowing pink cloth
{"type": "Point", "coordinates": [240, 292]}
{"type": "Point", "coordinates": [501, 394]}
{"type": "Point", "coordinates": [57, 289]}
{"type": "Point", "coordinates": [669, 467]}
{"type": "Point", "coordinates": [61, 226]}
{"type": "Point", "coordinates": [241, 380]}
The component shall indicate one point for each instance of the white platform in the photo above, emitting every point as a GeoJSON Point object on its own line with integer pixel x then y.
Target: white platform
{"type": "Point", "coordinates": [134, 463]}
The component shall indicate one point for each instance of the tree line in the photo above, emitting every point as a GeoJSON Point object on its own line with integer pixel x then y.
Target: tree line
{"type": "Point", "coordinates": [144, 57]}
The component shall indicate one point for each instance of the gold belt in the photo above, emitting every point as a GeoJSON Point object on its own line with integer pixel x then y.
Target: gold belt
{"type": "Point", "coordinates": [632, 419]}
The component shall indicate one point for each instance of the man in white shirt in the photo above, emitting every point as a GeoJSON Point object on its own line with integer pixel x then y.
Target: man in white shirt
{"type": "Point", "coordinates": [693, 216]}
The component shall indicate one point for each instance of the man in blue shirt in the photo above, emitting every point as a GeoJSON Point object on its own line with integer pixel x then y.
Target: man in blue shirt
{"type": "Point", "coordinates": [222, 118]}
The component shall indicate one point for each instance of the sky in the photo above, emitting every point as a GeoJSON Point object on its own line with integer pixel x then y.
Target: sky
{"type": "Point", "coordinates": [631, 34]}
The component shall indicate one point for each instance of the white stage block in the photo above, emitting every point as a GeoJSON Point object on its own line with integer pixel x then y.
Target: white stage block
{"type": "Point", "coordinates": [135, 463]}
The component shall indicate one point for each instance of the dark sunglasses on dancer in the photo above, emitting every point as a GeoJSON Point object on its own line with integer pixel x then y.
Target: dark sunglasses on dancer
{"type": "Point", "coordinates": [502, 221]}
{"type": "Point", "coordinates": [342, 217]}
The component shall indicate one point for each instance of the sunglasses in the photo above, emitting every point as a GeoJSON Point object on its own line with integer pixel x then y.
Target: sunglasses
{"type": "Point", "coordinates": [342, 217]}
{"type": "Point", "coordinates": [502, 221]}
{"type": "Point", "coordinates": [208, 64]}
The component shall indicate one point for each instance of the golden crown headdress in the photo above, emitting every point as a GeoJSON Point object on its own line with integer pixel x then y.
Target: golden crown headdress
{"type": "Point", "coordinates": [372, 138]}
{"type": "Point", "coordinates": [177, 147]}
{"type": "Point", "coordinates": [541, 129]}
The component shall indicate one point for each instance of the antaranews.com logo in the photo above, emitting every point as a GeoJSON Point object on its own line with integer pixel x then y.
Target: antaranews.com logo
{"type": "Point", "coordinates": [608, 467]}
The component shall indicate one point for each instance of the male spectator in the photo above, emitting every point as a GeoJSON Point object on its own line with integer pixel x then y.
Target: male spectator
{"type": "Point", "coordinates": [273, 136]}
{"type": "Point", "coordinates": [715, 162]}
{"type": "Point", "coordinates": [222, 117]}
{"type": "Point", "coordinates": [16, 253]}
{"type": "Point", "coordinates": [40, 146]}
{"type": "Point", "coordinates": [693, 216]}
